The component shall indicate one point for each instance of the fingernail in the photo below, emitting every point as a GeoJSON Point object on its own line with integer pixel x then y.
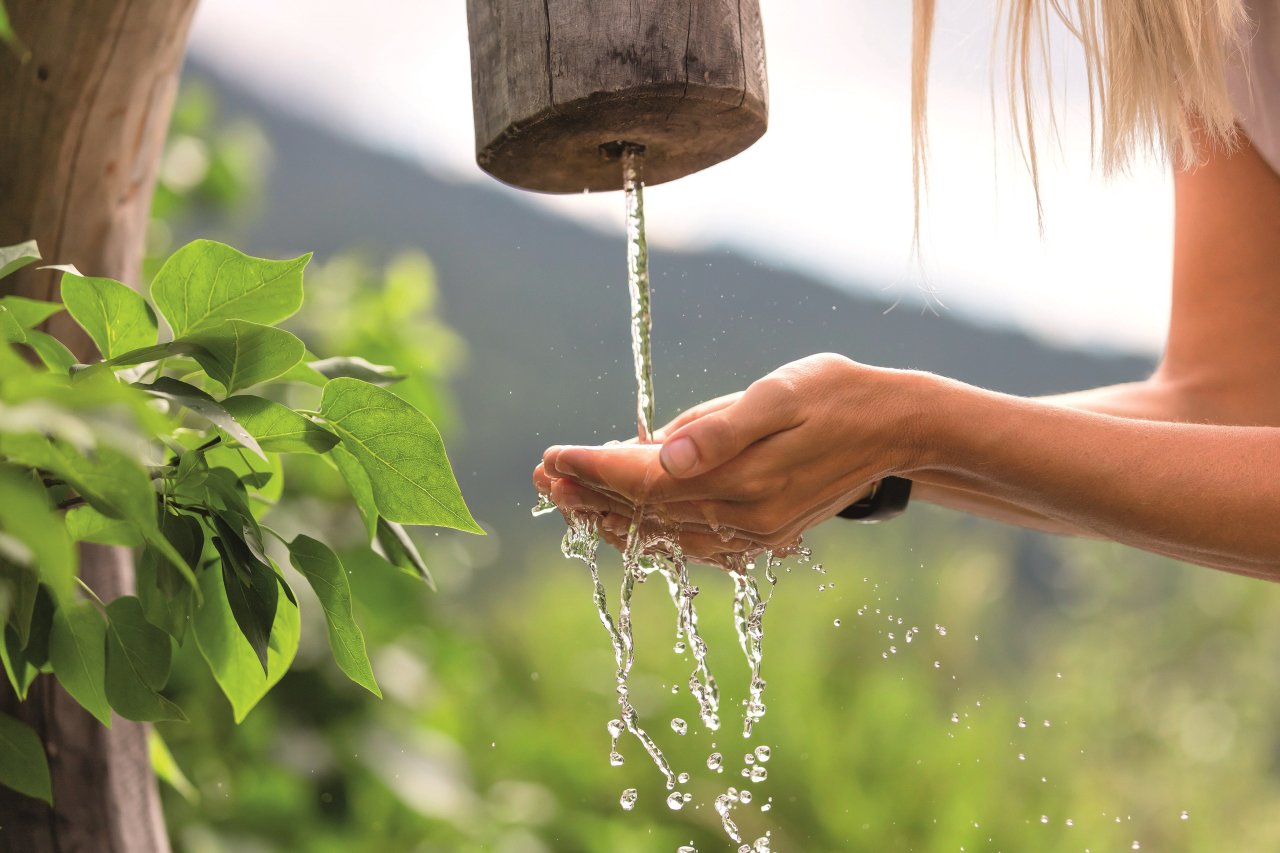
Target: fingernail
{"type": "Point", "coordinates": [679, 456]}
{"type": "Point", "coordinates": [565, 466]}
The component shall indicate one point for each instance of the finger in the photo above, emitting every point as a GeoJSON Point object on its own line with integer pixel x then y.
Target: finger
{"type": "Point", "coordinates": [630, 471]}
{"type": "Point", "coordinates": [714, 439]}
{"type": "Point", "coordinates": [571, 495]}
{"type": "Point", "coordinates": [690, 415]}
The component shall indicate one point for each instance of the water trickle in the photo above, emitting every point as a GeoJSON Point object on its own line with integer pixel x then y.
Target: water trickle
{"type": "Point", "coordinates": [655, 547]}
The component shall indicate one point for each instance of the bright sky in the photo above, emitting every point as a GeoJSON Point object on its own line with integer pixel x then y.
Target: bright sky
{"type": "Point", "coordinates": [828, 188]}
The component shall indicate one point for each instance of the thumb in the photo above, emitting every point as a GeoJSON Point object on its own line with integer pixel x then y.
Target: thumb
{"type": "Point", "coordinates": [718, 437]}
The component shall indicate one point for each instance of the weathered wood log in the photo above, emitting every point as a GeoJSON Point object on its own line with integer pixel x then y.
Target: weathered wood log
{"type": "Point", "coordinates": [554, 80]}
{"type": "Point", "coordinates": [82, 127]}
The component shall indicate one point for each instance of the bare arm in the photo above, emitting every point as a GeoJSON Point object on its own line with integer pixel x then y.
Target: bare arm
{"type": "Point", "coordinates": [1222, 365]}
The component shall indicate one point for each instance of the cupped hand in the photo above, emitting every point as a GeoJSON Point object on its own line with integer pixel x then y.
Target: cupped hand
{"type": "Point", "coordinates": [765, 464]}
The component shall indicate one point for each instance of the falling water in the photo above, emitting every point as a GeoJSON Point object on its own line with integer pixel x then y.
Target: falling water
{"type": "Point", "coordinates": [638, 286]}
{"type": "Point", "coordinates": [657, 550]}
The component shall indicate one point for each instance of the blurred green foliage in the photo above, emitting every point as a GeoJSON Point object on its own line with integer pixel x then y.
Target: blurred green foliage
{"type": "Point", "coordinates": [1148, 688]}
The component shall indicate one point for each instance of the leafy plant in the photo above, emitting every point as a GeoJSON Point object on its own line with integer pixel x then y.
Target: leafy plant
{"type": "Point", "coordinates": [159, 447]}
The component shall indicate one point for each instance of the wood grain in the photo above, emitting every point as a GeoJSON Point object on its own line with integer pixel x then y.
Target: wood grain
{"type": "Point", "coordinates": [553, 80]}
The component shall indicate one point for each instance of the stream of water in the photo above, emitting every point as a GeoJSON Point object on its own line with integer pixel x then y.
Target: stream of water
{"type": "Point", "coordinates": [652, 547]}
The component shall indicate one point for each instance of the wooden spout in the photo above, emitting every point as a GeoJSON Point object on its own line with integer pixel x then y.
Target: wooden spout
{"type": "Point", "coordinates": [555, 82]}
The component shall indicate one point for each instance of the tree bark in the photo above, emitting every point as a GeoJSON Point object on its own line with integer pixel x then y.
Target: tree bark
{"type": "Point", "coordinates": [82, 125]}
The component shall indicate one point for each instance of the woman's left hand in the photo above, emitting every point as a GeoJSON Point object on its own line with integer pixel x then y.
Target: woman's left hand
{"type": "Point", "coordinates": [758, 467]}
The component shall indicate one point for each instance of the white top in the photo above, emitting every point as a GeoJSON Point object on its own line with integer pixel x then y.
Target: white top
{"type": "Point", "coordinates": [1254, 83]}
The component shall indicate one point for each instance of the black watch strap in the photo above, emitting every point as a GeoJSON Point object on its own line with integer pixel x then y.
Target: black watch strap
{"type": "Point", "coordinates": [888, 499]}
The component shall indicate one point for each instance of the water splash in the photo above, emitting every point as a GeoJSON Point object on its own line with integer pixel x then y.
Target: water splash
{"type": "Point", "coordinates": [638, 286]}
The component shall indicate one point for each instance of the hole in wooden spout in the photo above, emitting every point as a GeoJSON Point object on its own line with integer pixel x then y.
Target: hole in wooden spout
{"type": "Point", "coordinates": [615, 150]}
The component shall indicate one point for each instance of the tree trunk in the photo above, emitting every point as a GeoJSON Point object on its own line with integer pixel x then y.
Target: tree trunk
{"type": "Point", "coordinates": [82, 125]}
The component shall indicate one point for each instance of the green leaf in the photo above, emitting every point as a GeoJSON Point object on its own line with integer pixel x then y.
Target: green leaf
{"type": "Point", "coordinates": [86, 524]}
{"type": "Point", "coordinates": [29, 312]}
{"type": "Point", "coordinates": [138, 660]}
{"type": "Point", "coordinates": [359, 486]}
{"type": "Point", "coordinates": [51, 351]}
{"type": "Point", "coordinates": [11, 331]}
{"type": "Point", "coordinates": [21, 587]}
{"type": "Point", "coordinates": [323, 570]}
{"type": "Point", "coordinates": [167, 599]}
{"type": "Point", "coordinates": [279, 428]}
{"type": "Point", "coordinates": [77, 651]}
{"type": "Point", "coordinates": [200, 403]}
{"type": "Point", "coordinates": [155, 352]}
{"type": "Point", "coordinates": [239, 353]}
{"type": "Point", "coordinates": [20, 671]}
{"type": "Point", "coordinates": [354, 367]}
{"type": "Point", "coordinates": [116, 317]}
{"type": "Point", "coordinates": [400, 551]}
{"type": "Point", "coordinates": [23, 765]}
{"type": "Point", "coordinates": [14, 258]}
{"type": "Point", "coordinates": [25, 515]}
{"type": "Point", "coordinates": [251, 586]}
{"type": "Point", "coordinates": [204, 283]}
{"type": "Point", "coordinates": [402, 452]}
{"type": "Point", "coordinates": [166, 767]}
{"type": "Point", "coordinates": [229, 655]}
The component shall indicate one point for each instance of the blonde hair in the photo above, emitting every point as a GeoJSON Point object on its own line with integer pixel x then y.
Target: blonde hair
{"type": "Point", "coordinates": [1156, 72]}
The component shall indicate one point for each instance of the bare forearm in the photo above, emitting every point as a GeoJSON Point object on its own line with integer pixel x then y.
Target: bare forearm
{"type": "Point", "coordinates": [1206, 494]}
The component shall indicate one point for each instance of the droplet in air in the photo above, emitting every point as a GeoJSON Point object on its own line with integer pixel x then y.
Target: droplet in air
{"type": "Point", "coordinates": [744, 796]}
{"type": "Point", "coordinates": [1183, 816]}
{"type": "Point", "coordinates": [616, 728]}
{"type": "Point", "coordinates": [615, 758]}
{"type": "Point", "coordinates": [837, 623]}
{"type": "Point", "coordinates": [764, 754]}
{"type": "Point", "coordinates": [714, 761]}
{"type": "Point", "coordinates": [679, 726]}
{"type": "Point", "coordinates": [1022, 723]}
{"type": "Point", "coordinates": [682, 778]}
{"type": "Point", "coordinates": [628, 799]}
{"type": "Point", "coordinates": [759, 774]}
{"type": "Point", "coordinates": [675, 801]}
{"type": "Point", "coordinates": [1044, 818]}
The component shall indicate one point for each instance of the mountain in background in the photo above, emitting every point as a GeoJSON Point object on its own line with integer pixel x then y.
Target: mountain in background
{"type": "Point", "coordinates": [542, 303]}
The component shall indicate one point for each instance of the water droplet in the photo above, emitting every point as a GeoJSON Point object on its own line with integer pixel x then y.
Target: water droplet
{"type": "Point", "coordinates": [1183, 816]}
{"type": "Point", "coordinates": [764, 754]}
{"type": "Point", "coordinates": [680, 647]}
{"type": "Point", "coordinates": [744, 796]}
{"type": "Point", "coordinates": [955, 718]}
{"type": "Point", "coordinates": [679, 726]}
{"type": "Point", "coordinates": [714, 760]}
{"type": "Point", "coordinates": [1022, 756]}
{"type": "Point", "coordinates": [749, 758]}
{"type": "Point", "coordinates": [1135, 846]}
{"type": "Point", "coordinates": [687, 848]}
{"type": "Point", "coordinates": [942, 632]}
{"type": "Point", "coordinates": [1046, 724]}
{"type": "Point", "coordinates": [1070, 822]}
{"type": "Point", "coordinates": [682, 778]}
{"type": "Point", "coordinates": [937, 664]}
{"type": "Point", "coordinates": [1044, 818]}
{"type": "Point", "coordinates": [759, 774]}
{"type": "Point", "coordinates": [615, 758]}
{"type": "Point", "coordinates": [628, 799]}
{"type": "Point", "coordinates": [1022, 723]}
{"type": "Point", "coordinates": [836, 623]}
{"type": "Point", "coordinates": [616, 728]}
{"type": "Point", "coordinates": [675, 801]}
